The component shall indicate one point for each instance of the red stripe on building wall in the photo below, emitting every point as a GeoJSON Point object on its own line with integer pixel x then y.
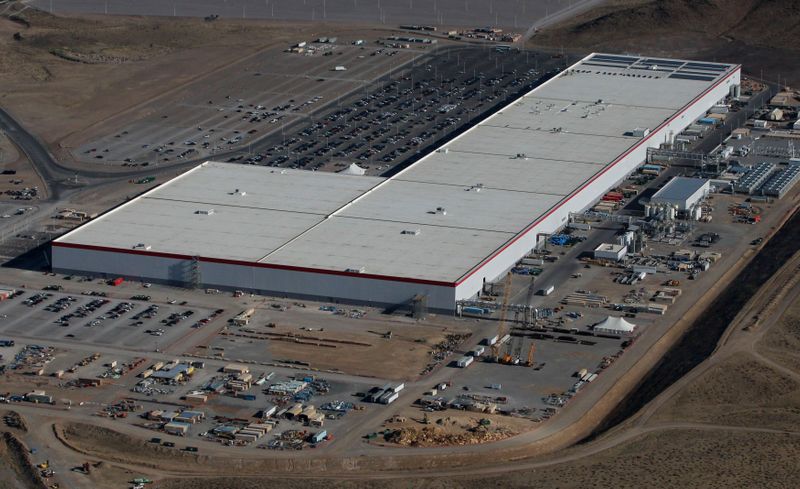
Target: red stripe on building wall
{"type": "Point", "coordinates": [494, 255]}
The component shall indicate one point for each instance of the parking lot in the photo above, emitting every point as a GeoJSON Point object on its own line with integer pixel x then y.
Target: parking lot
{"type": "Point", "coordinates": [253, 97]}
{"type": "Point", "coordinates": [403, 118]}
{"type": "Point", "coordinates": [133, 324]}
{"type": "Point", "coordinates": [302, 113]}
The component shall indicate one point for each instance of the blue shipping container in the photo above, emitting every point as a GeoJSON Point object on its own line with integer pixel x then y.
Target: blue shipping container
{"type": "Point", "coordinates": [475, 310]}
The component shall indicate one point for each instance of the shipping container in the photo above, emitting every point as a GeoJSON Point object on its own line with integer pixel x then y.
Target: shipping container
{"type": "Point", "coordinates": [475, 310]}
{"type": "Point", "coordinates": [464, 362]}
{"type": "Point", "coordinates": [319, 436]}
{"type": "Point", "coordinates": [547, 290]}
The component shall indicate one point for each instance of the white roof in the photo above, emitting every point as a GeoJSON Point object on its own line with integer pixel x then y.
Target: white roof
{"type": "Point", "coordinates": [679, 189]}
{"type": "Point", "coordinates": [492, 182]}
{"type": "Point", "coordinates": [353, 169]}
{"type": "Point", "coordinates": [612, 247]}
{"type": "Point", "coordinates": [613, 323]}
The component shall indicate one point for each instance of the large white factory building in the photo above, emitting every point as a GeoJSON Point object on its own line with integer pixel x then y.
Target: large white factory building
{"type": "Point", "coordinates": [439, 229]}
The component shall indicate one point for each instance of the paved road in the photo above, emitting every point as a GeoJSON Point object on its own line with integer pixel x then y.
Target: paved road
{"type": "Point", "coordinates": [57, 177]}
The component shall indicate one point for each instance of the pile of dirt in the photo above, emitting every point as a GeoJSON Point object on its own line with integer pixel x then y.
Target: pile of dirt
{"type": "Point", "coordinates": [433, 436]}
{"type": "Point", "coordinates": [14, 420]}
{"type": "Point", "coordinates": [14, 456]}
{"type": "Point", "coordinates": [119, 447]}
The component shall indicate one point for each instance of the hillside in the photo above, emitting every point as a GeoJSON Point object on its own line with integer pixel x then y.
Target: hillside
{"type": "Point", "coordinates": [760, 34]}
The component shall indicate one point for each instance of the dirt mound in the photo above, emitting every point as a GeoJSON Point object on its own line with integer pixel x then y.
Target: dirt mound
{"type": "Point", "coordinates": [433, 436]}
{"type": "Point", "coordinates": [13, 419]}
{"type": "Point", "coordinates": [119, 447]}
{"type": "Point", "coordinates": [14, 456]}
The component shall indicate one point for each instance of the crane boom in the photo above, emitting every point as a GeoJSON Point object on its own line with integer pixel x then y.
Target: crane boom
{"type": "Point", "coordinates": [532, 349]}
{"type": "Point", "coordinates": [501, 324]}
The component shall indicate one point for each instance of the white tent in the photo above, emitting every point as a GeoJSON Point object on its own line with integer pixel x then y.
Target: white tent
{"type": "Point", "coordinates": [614, 325]}
{"type": "Point", "coordinates": [353, 169]}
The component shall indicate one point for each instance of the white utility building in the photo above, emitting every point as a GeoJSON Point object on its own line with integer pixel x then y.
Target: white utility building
{"type": "Point", "coordinates": [460, 216]}
{"type": "Point", "coordinates": [610, 251]}
{"type": "Point", "coordinates": [682, 192]}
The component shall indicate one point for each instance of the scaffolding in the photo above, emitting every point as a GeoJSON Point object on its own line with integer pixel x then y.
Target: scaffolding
{"type": "Point", "coordinates": [196, 279]}
{"type": "Point", "coordinates": [700, 160]}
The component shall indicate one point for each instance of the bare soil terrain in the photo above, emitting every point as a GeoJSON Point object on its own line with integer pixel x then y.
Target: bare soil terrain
{"type": "Point", "coordinates": [782, 342]}
{"type": "Point", "coordinates": [696, 458]}
{"type": "Point", "coordinates": [65, 74]}
{"type": "Point", "coordinates": [738, 392]}
{"type": "Point", "coordinates": [759, 34]}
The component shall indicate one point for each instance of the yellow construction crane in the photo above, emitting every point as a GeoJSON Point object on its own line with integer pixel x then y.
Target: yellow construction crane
{"type": "Point", "coordinates": [501, 324]}
{"type": "Point", "coordinates": [529, 362]}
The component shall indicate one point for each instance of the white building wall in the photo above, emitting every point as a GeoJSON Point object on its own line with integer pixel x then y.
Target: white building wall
{"type": "Point", "coordinates": [268, 281]}
{"type": "Point", "coordinates": [507, 258]}
{"type": "Point", "coordinates": [692, 200]}
{"type": "Point", "coordinates": [375, 291]}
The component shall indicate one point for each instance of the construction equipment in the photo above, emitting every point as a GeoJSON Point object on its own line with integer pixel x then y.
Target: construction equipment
{"type": "Point", "coordinates": [501, 324]}
{"type": "Point", "coordinates": [531, 350]}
